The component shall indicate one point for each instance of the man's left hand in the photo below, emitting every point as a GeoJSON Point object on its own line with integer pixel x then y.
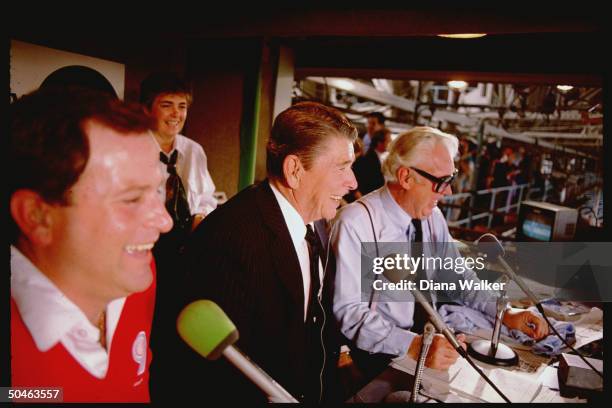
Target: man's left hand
{"type": "Point", "coordinates": [526, 321]}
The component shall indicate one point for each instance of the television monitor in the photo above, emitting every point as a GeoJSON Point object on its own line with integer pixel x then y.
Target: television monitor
{"type": "Point", "coordinates": [540, 221]}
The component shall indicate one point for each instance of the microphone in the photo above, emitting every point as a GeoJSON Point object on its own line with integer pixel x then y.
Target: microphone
{"type": "Point", "coordinates": [394, 275]}
{"type": "Point", "coordinates": [207, 330]}
{"type": "Point", "coordinates": [489, 244]}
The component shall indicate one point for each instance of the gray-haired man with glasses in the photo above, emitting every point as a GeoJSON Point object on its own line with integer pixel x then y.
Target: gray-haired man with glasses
{"type": "Point", "coordinates": [418, 172]}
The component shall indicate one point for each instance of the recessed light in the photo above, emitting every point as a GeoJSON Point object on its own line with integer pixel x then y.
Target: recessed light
{"type": "Point", "coordinates": [344, 84]}
{"type": "Point", "coordinates": [458, 85]}
{"type": "Point", "coordinates": [463, 35]}
{"type": "Point", "coordinates": [565, 88]}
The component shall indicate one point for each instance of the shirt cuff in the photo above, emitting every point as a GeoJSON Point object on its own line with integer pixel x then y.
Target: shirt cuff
{"type": "Point", "coordinates": [398, 342]}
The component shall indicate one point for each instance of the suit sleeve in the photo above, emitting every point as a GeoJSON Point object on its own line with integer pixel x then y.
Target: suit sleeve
{"type": "Point", "coordinates": [215, 272]}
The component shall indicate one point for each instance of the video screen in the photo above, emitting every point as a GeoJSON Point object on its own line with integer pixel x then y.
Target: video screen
{"type": "Point", "coordinates": [537, 227]}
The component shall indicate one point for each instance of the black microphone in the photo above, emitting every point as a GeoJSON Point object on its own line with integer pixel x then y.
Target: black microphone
{"type": "Point", "coordinates": [490, 245]}
{"type": "Point", "coordinates": [395, 275]}
{"type": "Point", "coordinates": [435, 318]}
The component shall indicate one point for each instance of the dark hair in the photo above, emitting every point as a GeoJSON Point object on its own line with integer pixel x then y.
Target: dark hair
{"type": "Point", "coordinates": [378, 137]}
{"type": "Point", "coordinates": [48, 147]}
{"type": "Point", "coordinates": [159, 83]}
{"type": "Point", "coordinates": [79, 76]}
{"type": "Point", "coordinates": [379, 116]}
{"type": "Point", "coordinates": [302, 129]}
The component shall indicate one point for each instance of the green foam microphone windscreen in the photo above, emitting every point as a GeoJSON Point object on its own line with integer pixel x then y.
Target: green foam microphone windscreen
{"type": "Point", "coordinates": [206, 328]}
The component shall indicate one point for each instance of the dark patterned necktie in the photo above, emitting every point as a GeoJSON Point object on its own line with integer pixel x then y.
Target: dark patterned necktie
{"type": "Point", "coordinates": [176, 196]}
{"type": "Point", "coordinates": [314, 251]}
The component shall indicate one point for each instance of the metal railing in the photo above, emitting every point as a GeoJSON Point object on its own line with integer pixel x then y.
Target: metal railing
{"type": "Point", "coordinates": [452, 208]}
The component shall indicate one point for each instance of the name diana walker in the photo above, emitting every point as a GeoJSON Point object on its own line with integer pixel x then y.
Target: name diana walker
{"type": "Point", "coordinates": [405, 284]}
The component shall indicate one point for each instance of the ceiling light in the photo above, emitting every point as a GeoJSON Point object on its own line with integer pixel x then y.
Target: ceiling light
{"type": "Point", "coordinates": [463, 35]}
{"type": "Point", "coordinates": [457, 85]}
{"type": "Point", "coordinates": [344, 84]}
{"type": "Point", "coordinates": [565, 88]}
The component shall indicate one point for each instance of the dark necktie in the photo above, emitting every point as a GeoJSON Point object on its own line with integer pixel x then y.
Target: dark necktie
{"type": "Point", "coordinates": [420, 316]}
{"type": "Point", "coordinates": [314, 320]}
{"type": "Point", "coordinates": [314, 252]}
{"type": "Point", "coordinates": [176, 196]}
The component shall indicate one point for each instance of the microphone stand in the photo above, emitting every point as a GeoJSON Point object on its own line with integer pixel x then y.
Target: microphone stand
{"type": "Point", "coordinates": [257, 375]}
{"type": "Point", "coordinates": [428, 334]}
{"type": "Point", "coordinates": [445, 330]}
{"type": "Point", "coordinates": [498, 251]}
{"type": "Point", "coordinates": [493, 352]}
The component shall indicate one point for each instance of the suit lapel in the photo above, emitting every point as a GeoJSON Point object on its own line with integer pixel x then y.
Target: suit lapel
{"type": "Point", "coordinates": [284, 257]}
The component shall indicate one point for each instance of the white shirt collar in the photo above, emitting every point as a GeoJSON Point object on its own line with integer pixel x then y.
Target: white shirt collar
{"type": "Point", "coordinates": [46, 311]}
{"type": "Point", "coordinates": [382, 156]}
{"type": "Point", "coordinates": [176, 145]}
{"type": "Point", "coordinates": [293, 219]}
{"type": "Point", "coordinates": [396, 214]}
{"type": "Point", "coordinates": [51, 317]}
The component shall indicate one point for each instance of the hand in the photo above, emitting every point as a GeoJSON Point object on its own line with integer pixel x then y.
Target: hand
{"type": "Point", "coordinates": [526, 321]}
{"type": "Point", "coordinates": [441, 354]}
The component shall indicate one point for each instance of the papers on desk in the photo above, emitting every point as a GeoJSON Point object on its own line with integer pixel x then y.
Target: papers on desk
{"type": "Point", "coordinates": [515, 387]}
{"type": "Point", "coordinates": [589, 327]}
{"type": "Point", "coordinates": [541, 386]}
{"type": "Point", "coordinates": [463, 380]}
{"type": "Point", "coordinates": [538, 384]}
{"type": "Point", "coordinates": [550, 378]}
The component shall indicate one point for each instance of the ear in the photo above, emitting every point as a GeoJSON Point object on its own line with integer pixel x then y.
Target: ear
{"type": "Point", "coordinates": [404, 179]}
{"type": "Point", "coordinates": [293, 171]}
{"type": "Point", "coordinates": [33, 216]}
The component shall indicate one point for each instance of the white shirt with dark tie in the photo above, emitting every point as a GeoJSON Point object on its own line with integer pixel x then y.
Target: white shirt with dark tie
{"type": "Point", "coordinates": [297, 230]}
{"type": "Point", "coordinates": [192, 168]}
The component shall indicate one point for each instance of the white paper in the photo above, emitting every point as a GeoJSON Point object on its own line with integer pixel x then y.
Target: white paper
{"type": "Point", "coordinates": [549, 378]}
{"type": "Point", "coordinates": [515, 387]}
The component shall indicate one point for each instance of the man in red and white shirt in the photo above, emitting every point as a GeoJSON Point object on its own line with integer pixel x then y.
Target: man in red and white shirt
{"type": "Point", "coordinates": [86, 212]}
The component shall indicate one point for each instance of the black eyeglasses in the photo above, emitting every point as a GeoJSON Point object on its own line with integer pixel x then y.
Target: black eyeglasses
{"type": "Point", "coordinates": [439, 183]}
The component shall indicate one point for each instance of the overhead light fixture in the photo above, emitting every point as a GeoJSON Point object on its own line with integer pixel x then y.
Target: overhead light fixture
{"type": "Point", "coordinates": [565, 88]}
{"type": "Point", "coordinates": [463, 35]}
{"type": "Point", "coordinates": [457, 85]}
{"type": "Point", "coordinates": [344, 84]}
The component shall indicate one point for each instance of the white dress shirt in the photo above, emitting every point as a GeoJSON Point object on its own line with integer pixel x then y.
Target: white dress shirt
{"type": "Point", "coordinates": [387, 328]}
{"type": "Point", "coordinates": [51, 317]}
{"type": "Point", "coordinates": [192, 168]}
{"type": "Point", "coordinates": [297, 230]}
{"type": "Point", "coordinates": [382, 156]}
